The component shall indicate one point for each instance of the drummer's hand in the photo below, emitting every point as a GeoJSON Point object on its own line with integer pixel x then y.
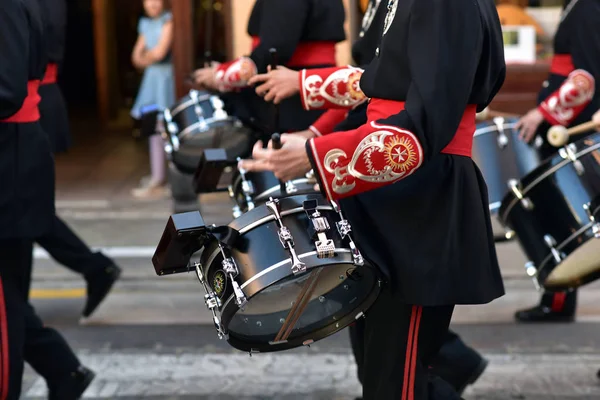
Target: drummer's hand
{"type": "Point", "coordinates": [277, 85]}
{"type": "Point", "coordinates": [596, 119]}
{"type": "Point", "coordinates": [205, 77]}
{"type": "Point", "coordinates": [528, 125]}
{"type": "Point", "coordinates": [287, 163]}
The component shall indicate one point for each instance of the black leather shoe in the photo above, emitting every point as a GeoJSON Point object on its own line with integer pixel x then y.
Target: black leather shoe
{"type": "Point", "coordinates": [73, 386]}
{"type": "Point", "coordinates": [541, 313]}
{"type": "Point", "coordinates": [99, 285]}
{"type": "Point", "coordinates": [458, 364]}
{"type": "Point", "coordinates": [553, 307]}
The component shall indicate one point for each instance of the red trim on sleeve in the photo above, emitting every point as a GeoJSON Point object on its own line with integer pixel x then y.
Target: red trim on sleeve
{"type": "Point", "coordinates": [235, 74]}
{"type": "Point", "coordinates": [328, 121]}
{"type": "Point", "coordinates": [375, 155]}
{"type": "Point", "coordinates": [335, 87]}
{"type": "Point", "coordinates": [571, 98]}
{"type": "Point", "coordinates": [29, 111]}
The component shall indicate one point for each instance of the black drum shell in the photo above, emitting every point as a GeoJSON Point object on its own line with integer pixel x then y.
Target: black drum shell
{"type": "Point", "coordinates": [558, 194]}
{"type": "Point", "coordinates": [266, 185]}
{"type": "Point", "coordinates": [500, 164]}
{"type": "Point", "coordinates": [259, 248]}
{"type": "Point", "coordinates": [227, 133]}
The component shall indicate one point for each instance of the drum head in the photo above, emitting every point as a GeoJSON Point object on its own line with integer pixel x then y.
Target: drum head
{"type": "Point", "coordinates": [581, 267]}
{"type": "Point", "coordinates": [305, 308]}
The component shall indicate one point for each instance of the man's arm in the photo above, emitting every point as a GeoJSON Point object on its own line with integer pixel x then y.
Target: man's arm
{"type": "Point", "coordinates": [386, 151]}
{"type": "Point", "coordinates": [14, 54]}
{"type": "Point", "coordinates": [564, 105]}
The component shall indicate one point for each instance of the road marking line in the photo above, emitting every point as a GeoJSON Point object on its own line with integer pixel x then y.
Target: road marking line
{"type": "Point", "coordinates": [109, 251]}
{"type": "Point", "coordinates": [100, 203]}
{"type": "Point", "coordinates": [57, 293]}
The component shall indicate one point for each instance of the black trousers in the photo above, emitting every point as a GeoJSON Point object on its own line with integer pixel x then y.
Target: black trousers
{"type": "Point", "coordinates": [69, 250]}
{"type": "Point", "coordinates": [400, 341]}
{"type": "Point", "coordinates": [22, 333]}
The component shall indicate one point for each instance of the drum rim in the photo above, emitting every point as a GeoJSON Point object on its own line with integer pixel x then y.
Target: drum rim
{"type": "Point", "coordinates": [510, 200]}
{"type": "Point", "coordinates": [494, 128]}
{"type": "Point", "coordinates": [276, 187]}
{"type": "Point", "coordinates": [181, 135]}
{"type": "Point", "coordinates": [547, 261]}
{"type": "Point", "coordinates": [178, 108]}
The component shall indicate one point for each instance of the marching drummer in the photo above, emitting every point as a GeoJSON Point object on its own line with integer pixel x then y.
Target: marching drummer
{"type": "Point", "coordinates": [304, 33]}
{"type": "Point", "coordinates": [569, 97]}
{"type": "Point", "coordinates": [406, 181]}
{"type": "Point", "coordinates": [456, 363]}
{"type": "Point", "coordinates": [27, 195]}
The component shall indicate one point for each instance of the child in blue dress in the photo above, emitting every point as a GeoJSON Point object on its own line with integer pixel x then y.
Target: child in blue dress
{"type": "Point", "coordinates": [152, 54]}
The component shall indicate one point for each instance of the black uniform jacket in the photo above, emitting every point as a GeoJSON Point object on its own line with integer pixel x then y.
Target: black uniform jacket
{"type": "Point", "coordinates": [283, 25]}
{"type": "Point", "coordinates": [53, 108]}
{"type": "Point", "coordinates": [26, 163]}
{"type": "Point", "coordinates": [577, 35]}
{"type": "Point", "coordinates": [430, 231]}
{"type": "Point", "coordinates": [363, 51]}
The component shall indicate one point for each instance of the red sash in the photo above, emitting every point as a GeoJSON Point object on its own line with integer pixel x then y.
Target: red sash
{"type": "Point", "coordinates": [308, 54]}
{"type": "Point", "coordinates": [29, 111]}
{"type": "Point", "coordinates": [562, 64]}
{"type": "Point", "coordinates": [460, 145]}
{"type": "Point", "coordinates": [51, 74]}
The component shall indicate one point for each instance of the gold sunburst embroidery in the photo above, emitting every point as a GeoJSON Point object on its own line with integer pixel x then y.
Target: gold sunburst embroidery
{"type": "Point", "coordinates": [401, 154]}
{"type": "Point", "coordinates": [353, 86]}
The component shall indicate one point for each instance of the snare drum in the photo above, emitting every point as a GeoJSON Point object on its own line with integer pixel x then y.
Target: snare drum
{"type": "Point", "coordinates": [293, 276]}
{"type": "Point", "coordinates": [249, 189]}
{"type": "Point", "coordinates": [552, 212]}
{"type": "Point", "coordinates": [199, 121]}
{"type": "Point", "coordinates": [502, 156]}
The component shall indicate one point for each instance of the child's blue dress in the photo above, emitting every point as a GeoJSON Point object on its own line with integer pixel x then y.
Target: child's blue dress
{"type": "Point", "coordinates": [157, 85]}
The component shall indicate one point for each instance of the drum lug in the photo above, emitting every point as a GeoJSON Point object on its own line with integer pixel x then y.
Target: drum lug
{"type": "Point", "coordinates": [218, 105]}
{"type": "Point", "coordinates": [231, 269]}
{"type": "Point", "coordinates": [285, 237]}
{"type": "Point", "coordinates": [212, 301]}
{"type": "Point", "coordinates": [514, 185]}
{"type": "Point", "coordinates": [502, 138]}
{"type": "Point", "coordinates": [531, 271]}
{"type": "Point", "coordinates": [198, 110]}
{"type": "Point", "coordinates": [345, 229]}
{"type": "Point", "coordinates": [570, 152]}
{"type": "Point", "coordinates": [290, 187]}
{"type": "Point", "coordinates": [551, 243]}
{"type": "Point", "coordinates": [319, 227]}
{"type": "Point", "coordinates": [247, 187]}
{"type": "Point", "coordinates": [172, 130]}
{"type": "Point", "coordinates": [595, 224]}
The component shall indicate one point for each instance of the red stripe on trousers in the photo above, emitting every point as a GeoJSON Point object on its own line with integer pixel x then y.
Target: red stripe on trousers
{"type": "Point", "coordinates": [3, 346]}
{"type": "Point", "coordinates": [558, 301]}
{"type": "Point", "coordinates": [409, 346]}
{"type": "Point", "coordinates": [413, 362]}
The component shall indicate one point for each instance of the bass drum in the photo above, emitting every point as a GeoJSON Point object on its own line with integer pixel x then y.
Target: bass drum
{"type": "Point", "coordinates": [270, 303]}
{"type": "Point", "coordinates": [551, 211]}
{"type": "Point", "coordinates": [254, 188]}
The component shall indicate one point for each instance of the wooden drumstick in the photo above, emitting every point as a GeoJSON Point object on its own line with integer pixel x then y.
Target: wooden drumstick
{"type": "Point", "coordinates": [558, 135]}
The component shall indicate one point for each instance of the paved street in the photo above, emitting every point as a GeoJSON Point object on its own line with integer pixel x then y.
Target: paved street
{"type": "Point", "coordinates": [152, 338]}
